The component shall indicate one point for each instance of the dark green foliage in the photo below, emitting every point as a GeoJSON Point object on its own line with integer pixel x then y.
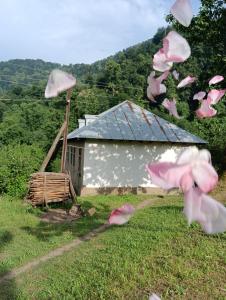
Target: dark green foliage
{"type": "Point", "coordinates": [17, 162]}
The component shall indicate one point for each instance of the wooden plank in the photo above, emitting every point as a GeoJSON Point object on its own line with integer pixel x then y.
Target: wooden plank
{"type": "Point", "coordinates": [64, 150]}
{"type": "Point", "coordinates": [53, 147]}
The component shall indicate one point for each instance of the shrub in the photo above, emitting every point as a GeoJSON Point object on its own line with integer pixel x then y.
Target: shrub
{"type": "Point", "coordinates": [17, 163]}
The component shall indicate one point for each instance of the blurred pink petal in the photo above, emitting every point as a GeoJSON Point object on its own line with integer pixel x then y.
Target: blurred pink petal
{"type": "Point", "coordinates": [188, 155]}
{"type": "Point", "coordinates": [170, 105]}
{"type": "Point", "coordinates": [160, 62]}
{"type": "Point", "coordinates": [186, 81]}
{"type": "Point", "coordinates": [176, 75]}
{"type": "Point", "coordinates": [175, 47]}
{"type": "Point", "coordinates": [169, 175]}
{"type": "Point", "coordinates": [216, 79]}
{"type": "Point", "coordinates": [205, 110]}
{"type": "Point", "coordinates": [199, 96]}
{"type": "Point", "coordinates": [59, 81]}
{"type": "Point", "coordinates": [192, 166]}
{"type": "Point", "coordinates": [205, 210]}
{"type": "Point", "coordinates": [121, 215]}
{"type": "Point", "coordinates": [193, 154]}
{"type": "Point", "coordinates": [155, 86]}
{"type": "Point", "coordinates": [215, 96]}
{"type": "Point", "coordinates": [204, 175]}
{"type": "Point", "coordinates": [163, 76]}
{"type": "Point", "coordinates": [154, 297]}
{"type": "Point", "coordinates": [182, 11]}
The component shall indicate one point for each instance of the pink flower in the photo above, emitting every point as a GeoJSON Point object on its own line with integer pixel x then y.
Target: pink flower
{"type": "Point", "coordinates": [206, 110]}
{"type": "Point", "coordinates": [186, 81]}
{"type": "Point", "coordinates": [121, 215]}
{"type": "Point", "coordinates": [205, 210]}
{"type": "Point", "coordinates": [155, 86]}
{"type": "Point", "coordinates": [175, 49]}
{"type": "Point", "coordinates": [160, 62]}
{"type": "Point", "coordinates": [182, 11]}
{"type": "Point", "coordinates": [214, 96]}
{"type": "Point", "coordinates": [58, 82]}
{"type": "Point", "coordinates": [170, 105]}
{"type": "Point", "coordinates": [216, 79]}
{"type": "Point", "coordinates": [192, 166]}
{"type": "Point", "coordinates": [199, 96]}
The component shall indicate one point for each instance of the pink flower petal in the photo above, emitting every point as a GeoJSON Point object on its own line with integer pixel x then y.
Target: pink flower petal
{"type": "Point", "coordinates": [214, 96]}
{"type": "Point", "coordinates": [169, 175]}
{"type": "Point", "coordinates": [199, 96]}
{"type": "Point", "coordinates": [170, 105]}
{"type": "Point", "coordinates": [216, 79]}
{"type": "Point", "coordinates": [205, 110]}
{"type": "Point", "coordinates": [176, 75]}
{"type": "Point", "coordinates": [160, 62]}
{"type": "Point", "coordinates": [188, 155]}
{"type": "Point", "coordinates": [186, 81]}
{"type": "Point", "coordinates": [155, 86]}
{"type": "Point", "coordinates": [175, 47]}
{"type": "Point", "coordinates": [205, 210]}
{"type": "Point", "coordinates": [58, 82]}
{"type": "Point", "coordinates": [182, 11]}
{"type": "Point", "coordinates": [204, 175]}
{"type": "Point", "coordinates": [121, 215]}
{"type": "Point", "coordinates": [163, 76]}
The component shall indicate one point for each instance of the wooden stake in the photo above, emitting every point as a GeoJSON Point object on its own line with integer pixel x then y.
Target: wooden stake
{"type": "Point", "coordinates": [53, 147]}
{"type": "Point", "coordinates": [64, 150]}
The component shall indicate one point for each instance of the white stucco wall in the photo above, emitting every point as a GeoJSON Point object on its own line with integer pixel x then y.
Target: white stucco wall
{"type": "Point", "coordinates": [122, 164]}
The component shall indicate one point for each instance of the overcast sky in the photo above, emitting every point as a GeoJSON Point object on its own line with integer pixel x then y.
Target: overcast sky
{"type": "Point", "coordinates": [77, 31]}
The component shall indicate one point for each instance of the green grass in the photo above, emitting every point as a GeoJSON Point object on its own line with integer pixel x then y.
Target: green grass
{"type": "Point", "coordinates": [23, 236]}
{"type": "Point", "coordinates": [155, 252]}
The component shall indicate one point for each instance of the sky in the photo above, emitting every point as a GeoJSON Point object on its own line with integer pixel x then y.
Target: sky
{"type": "Point", "coordinates": [77, 31]}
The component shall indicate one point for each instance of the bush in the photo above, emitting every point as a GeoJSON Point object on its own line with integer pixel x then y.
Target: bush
{"type": "Point", "coordinates": [17, 163]}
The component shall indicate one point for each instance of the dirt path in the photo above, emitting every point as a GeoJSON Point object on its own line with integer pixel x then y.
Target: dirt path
{"type": "Point", "coordinates": [61, 250]}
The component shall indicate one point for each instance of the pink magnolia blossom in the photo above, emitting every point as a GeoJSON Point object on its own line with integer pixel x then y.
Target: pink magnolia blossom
{"type": "Point", "coordinates": [170, 105]}
{"type": "Point", "coordinates": [175, 49]}
{"type": "Point", "coordinates": [155, 86]}
{"type": "Point", "coordinates": [175, 74]}
{"type": "Point", "coordinates": [59, 81]}
{"type": "Point", "coordinates": [182, 11]}
{"type": "Point", "coordinates": [192, 166]}
{"type": "Point", "coordinates": [205, 210]}
{"type": "Point", "coordinates": [121, 215]}
{"type": "Point", "coordinates": [214, 96]}
{"type": "Point", "coordinates": [216, 79]}
{"type": "Point", "coordinates": [186, 81]}
{"type": "Point", "coordinates": [206, 110]}
{"type": "Point", "coordinates": [199, 96]}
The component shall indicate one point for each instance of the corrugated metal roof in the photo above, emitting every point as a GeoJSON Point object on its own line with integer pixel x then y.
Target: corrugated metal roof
{"type": "Point", "coordinates": [129, 122]}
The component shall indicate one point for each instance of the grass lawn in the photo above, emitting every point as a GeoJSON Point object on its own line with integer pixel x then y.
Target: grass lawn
{"type": "Point", "coordinates": [23, 236]}
{"type": "Point", "coordinates": [154, 252]}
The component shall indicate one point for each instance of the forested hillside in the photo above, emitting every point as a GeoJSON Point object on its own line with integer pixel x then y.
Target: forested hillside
{"type": "Point", "coordinates": [27, 118]}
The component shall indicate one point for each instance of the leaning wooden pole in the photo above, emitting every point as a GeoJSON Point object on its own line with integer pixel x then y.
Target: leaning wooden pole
{"type": "Point", "coordinates": [64, 149]}
{"type": "Point", "coordinates": [53, 147]}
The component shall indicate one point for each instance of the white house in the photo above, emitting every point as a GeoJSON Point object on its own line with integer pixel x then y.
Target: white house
{"type": "Point", "coordinates": [108, 153]}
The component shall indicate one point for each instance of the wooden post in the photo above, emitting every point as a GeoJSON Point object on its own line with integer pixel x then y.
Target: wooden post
{"type": "Point", "coordinates": [64, 150]}
{"type": "Point", "coordinates": [53, 147]}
